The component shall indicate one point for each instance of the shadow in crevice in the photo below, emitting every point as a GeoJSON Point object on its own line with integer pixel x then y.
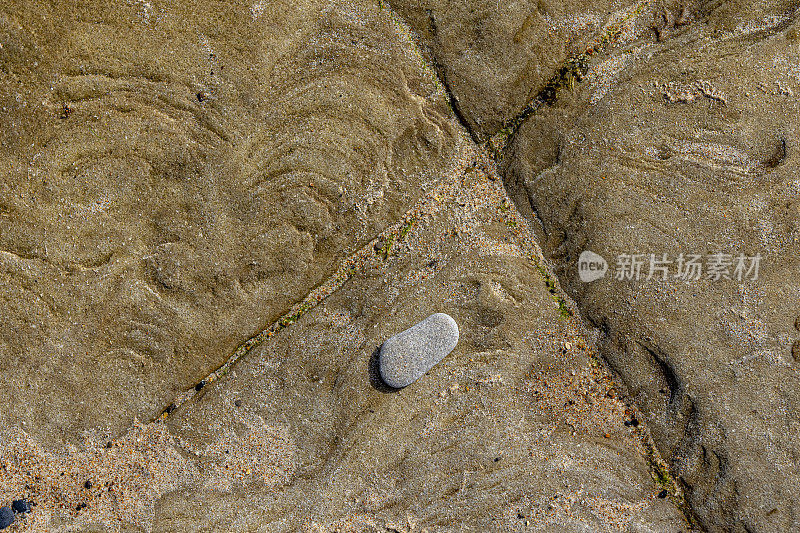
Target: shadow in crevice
{"type": "Point", "coordinates": [375, 374]}
{"type": "Point", "coordinates": [778, 155]}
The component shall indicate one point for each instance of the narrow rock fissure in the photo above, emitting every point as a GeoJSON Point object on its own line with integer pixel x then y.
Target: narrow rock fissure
{"type": "Point", "coordinates": [452, 100]}
{"type": "Point", "coordinates": [572, 71]}
{"type": "Point", "coordinates": [347, 268]}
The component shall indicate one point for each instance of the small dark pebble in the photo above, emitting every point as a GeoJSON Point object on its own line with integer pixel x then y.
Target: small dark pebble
{"type": "Point", "coordinates": [66, 111]}
{"type": "Point", "coordinates": [663, 494]}
{"type": "Point", "coordinates": [632, 422]}
{"type": "Point", "coordinates": [6, 517]}
{"type": "Point", "coordinates": [21, 506]}
{"type": "Point", "coordinates": [108, 445]}
{"type": "Point", "coordinates": [88, 484]}
{"type": "Point", "coordinates": [520, 516]}
{"type": "Point", "coordinates": [200, 385]}
{"type": "Point", "coordinates": [238, 403]}
{"type": "Point", "coordinates": [80, 507]}
{"type": "Point", "coordinates": [496, 459]}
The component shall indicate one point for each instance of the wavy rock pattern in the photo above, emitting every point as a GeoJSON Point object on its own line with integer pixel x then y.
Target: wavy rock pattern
{"type": "Point", "coordinates": [692, 149]}
{"type": "Point", "coordinates": [495, 57]}
{"type": "Point", "coordinates": [176, 175]}
{"type": "Point", "coordinates": [517, 428]}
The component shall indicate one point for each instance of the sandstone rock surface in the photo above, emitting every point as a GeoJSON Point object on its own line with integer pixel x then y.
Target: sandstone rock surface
{"type": "Point", "coordinates": [512, 430]}
{"type": "Point", "coordinates": [213, 213]}
{"type": "Point", "coordinates": [520, 427]}
{"type": "Point", "coordinates": [175, 175]}
{"type": "Point", "coordinates": [687, 144]}
{"type": "Point", "coordinates": [494, 57]}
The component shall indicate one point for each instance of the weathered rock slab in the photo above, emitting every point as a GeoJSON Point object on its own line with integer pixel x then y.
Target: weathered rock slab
{"type": "Point", "coordinates": [686, 143]}
{"type": "Point", "coordinates": [518, 427]}
{"type": "Point", "coordinates": [175, 175]}
{"type": "Point", "coordinates": [495, 57]}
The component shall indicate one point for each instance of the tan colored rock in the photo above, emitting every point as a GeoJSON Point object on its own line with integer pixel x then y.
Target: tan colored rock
{"type": "Point", "coordinates": [495, 57]}
{"type": "Point", "coordinates": [688, 145]}
{"type": "Point", "coordinates": [506, 430]}
{"type": "Point", "coordinates": [173, 176]}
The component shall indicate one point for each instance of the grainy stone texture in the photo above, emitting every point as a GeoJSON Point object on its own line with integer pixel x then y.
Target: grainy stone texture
{"type": "Point", "coordinates": [686, 141]}
{"type": "Point", "coordinates": [174, 175]}
{"type": "Point", "coordinates": [495, 56]}
{"type": "Point", "coordinates": [519, 428]}
{"type": "Point", "coordinates": [518, 425]}
{"type": "Point", "coordinates": [407, 356]}
{"type": "Point", "coordinates": [6, 517]}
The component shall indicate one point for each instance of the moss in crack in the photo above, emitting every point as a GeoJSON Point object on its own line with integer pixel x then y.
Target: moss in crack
{"type": "Point", "coordinates": [387, 248]}
{"type": "Point", "coordinates": [664, 479]}
{"type": "Point", "coordinates": [399, 234]}
{"type": "Point", "coordinates": [552, 288]}
{"type": "Point", "coordinates": [572, 72]}
{"type": "Point", "coordinates": [406, 227]}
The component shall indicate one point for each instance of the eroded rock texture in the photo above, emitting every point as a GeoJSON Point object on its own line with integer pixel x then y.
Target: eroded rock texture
{"type": "Point", "coordinates": [685, 141]}
{"type": "Point", "coordinates": [494, 57]}
{"type": "Point", "coordinates": [176, 174]}
{"type": "Point", "coordinates": [520, 427]}
{"type": "Point", "coordinates": [517, 428]}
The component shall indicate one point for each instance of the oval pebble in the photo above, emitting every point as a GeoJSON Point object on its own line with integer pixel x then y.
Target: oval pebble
{"type": "Point", "coordinates": [6, 517]}
{"type": "Point", "coordinates": [407, 356]}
